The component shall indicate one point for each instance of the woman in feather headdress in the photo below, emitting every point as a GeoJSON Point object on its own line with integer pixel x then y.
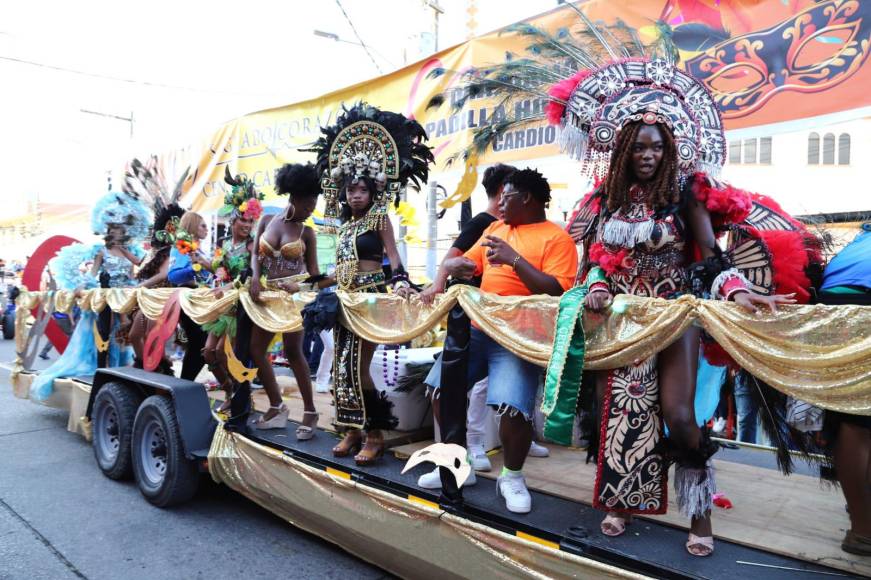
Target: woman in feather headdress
{"type": "Point", "coordinates": [145, 181]}
{"type": "Point", "coordinates": [653, 138]}
{"type": "Point", "coordinates": [123, 220]}
{"type": "Point", "coordinates": [366, 158]}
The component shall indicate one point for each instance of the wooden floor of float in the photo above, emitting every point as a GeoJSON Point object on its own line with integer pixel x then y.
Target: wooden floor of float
{"type": "Point", "coordinates": [794, 516]}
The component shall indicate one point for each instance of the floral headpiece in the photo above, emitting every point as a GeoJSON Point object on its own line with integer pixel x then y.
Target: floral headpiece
{"type": "Point", "coordinates": [243, 199]}
{"type": "Point", "coordinates": [174, 234]}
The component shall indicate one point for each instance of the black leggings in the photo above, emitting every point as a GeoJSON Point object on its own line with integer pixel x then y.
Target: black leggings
{"type": "Point", "coordinates": [193, 361]}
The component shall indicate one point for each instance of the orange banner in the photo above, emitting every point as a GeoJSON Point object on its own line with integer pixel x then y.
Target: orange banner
{"type": "Point", "coordinates": [764, 62]}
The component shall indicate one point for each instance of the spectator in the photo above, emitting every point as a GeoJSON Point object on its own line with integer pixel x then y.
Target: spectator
{"type": "Point", "coordinates": [521, 255]}
{"type": "Point", "coordinates": [494, 178]}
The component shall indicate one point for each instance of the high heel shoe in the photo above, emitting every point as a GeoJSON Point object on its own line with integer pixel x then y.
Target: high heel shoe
{"type": "Point", "coordinates": [349, 444]}
{"type": "Point", "coordinates": [370, 453]}
{"type": "Point", "coordinates": [304, 432]}
{"type": "Point", "coordinates": [278, 421]}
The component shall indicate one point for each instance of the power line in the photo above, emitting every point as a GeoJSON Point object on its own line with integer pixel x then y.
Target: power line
{"type": "Point", "coordinates": [129, 81]}
{"type": "Point", "coordinates": [357, 34]}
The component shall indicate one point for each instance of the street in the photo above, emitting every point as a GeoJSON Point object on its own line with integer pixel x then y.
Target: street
{"type": "Point", "coordinates": [61, 518]}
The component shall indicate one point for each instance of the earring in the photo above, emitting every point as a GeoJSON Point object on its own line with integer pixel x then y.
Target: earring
{"type": "Point", "coordinates": [292, 213]}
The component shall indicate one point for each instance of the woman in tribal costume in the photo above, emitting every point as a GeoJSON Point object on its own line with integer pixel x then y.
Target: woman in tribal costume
{"type": "Point", "coordinates": [242, 205]}
{"type": "Point", "coordinates": [366, 158]}
{"type": "Point", "coordinates": [653, 138]}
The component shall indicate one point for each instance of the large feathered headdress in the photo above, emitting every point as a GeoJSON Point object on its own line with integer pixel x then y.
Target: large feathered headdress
{"type": "Point", "coordinates": [592, 81]}
{"type": "Point", "coordinates": [146, 182]}
{"type": "Point", "coordinates": [123, 211]}
{"type": "Point", "coordinates": [366, 142]}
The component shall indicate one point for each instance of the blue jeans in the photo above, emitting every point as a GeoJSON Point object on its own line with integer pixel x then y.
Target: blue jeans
{"type": "Point", "coordinates": [746, 410]}
{"type": "Point", "coordinates": [513, 382]}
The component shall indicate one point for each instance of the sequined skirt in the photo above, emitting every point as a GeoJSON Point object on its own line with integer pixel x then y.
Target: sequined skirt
{"type": "Point", "coordinates": [356, 406]}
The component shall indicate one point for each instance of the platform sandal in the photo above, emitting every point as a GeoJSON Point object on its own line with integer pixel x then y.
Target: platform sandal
{"type": "Point", "coordinates": [700, 546]}
{"type": "Point", "coordinates": [349, 444]}
{"type": "Point", "coordinates": [304, 432]}
{"type": "Point", "coordinates": [278, 421]}
{"type": "Point", "coordinates": [615, 525]}
{"type": "Point", "coordinates": [371, 452]}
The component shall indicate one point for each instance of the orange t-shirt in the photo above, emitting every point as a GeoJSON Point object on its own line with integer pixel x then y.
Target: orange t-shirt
{"type": "Point", "coordinates": [545, 245]}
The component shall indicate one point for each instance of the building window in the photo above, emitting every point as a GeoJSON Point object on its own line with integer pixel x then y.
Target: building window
{"type": "Point", "coordinates": [749, 150]}
{"type": "Point", "coordinates": [844, 149]}
{"type": "Point", "coordinates": [765, 150]}
{"type": "Point", "coordinates": [734, 152]}
{"type": "Point", "coordinates": [813, 149]}
{"type": "Point", "coordinates": [829, 149]}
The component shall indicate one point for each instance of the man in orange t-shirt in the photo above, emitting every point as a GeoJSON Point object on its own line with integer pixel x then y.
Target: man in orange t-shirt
{"type": "Point", "coordinates": [521, 255]}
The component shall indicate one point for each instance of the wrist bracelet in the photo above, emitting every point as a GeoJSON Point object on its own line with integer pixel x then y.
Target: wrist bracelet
{"type": "Point", "coordinates": [514, 262]}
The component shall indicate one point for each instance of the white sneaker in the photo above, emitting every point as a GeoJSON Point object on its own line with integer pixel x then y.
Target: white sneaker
{"type": "Point", "coordinates": [536, 450]}
{"type": "Point", "coordinates": [322, 388]}
{"type": "Point", "coordinates": [480, 461]}
{"type": "Point", "coordinates": [513, 489]}
{"type": "Point", "coordinates": [432, 480]}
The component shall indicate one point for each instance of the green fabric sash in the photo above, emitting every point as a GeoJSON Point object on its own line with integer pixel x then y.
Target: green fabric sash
{"type": "Point", "coordinates": [565, 369]}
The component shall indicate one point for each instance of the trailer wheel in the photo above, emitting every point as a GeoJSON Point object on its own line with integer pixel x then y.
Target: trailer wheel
{"type": "Point", "coordinates": [164, 475]}
{"type": "Point", "coordinates": [113, 414]}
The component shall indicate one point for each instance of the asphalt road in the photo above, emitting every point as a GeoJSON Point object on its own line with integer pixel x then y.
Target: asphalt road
{"type": "Point", "coordinates": [61, 518]}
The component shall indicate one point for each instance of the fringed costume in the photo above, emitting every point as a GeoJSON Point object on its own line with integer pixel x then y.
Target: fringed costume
{"type": "Point", "coordinates": [598, 81]}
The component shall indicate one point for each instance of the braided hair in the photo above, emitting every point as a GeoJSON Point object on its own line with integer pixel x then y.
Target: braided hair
{"type": "Point", "coordinates": [662, 190]}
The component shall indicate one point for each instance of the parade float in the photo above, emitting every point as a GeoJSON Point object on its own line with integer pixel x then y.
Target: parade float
{"type": "Point", "coordinates": [162, 430]}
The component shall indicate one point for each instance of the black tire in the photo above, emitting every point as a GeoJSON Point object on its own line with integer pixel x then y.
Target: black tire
{"type": "Point", "coordinates": [163, 473]}
{"type": "Point", "coordinates": [9, 325]}
{"type": "Point", "coordinates": [113, 415]}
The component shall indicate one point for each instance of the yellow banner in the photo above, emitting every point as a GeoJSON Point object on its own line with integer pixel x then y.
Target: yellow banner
{"type": "Point", "coordinates": [764, 62]}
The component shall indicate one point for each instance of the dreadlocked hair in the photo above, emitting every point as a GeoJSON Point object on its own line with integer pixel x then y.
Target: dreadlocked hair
{"type": "Point", "coordinates": [662, 190]}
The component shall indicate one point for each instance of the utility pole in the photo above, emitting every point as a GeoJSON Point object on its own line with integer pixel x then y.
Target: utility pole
{"type": "Point", "coordinates": [471, 30]}
{"type": "Point", "coordinates": [431, 210]}
{"type": "Point", "coordinates": [108, 116]}
{"type": "Point", "coordinates": [433, 229]}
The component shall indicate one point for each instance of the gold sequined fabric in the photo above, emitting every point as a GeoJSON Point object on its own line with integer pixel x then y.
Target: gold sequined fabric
{"type": "Point", "coordinates": [819, 354]}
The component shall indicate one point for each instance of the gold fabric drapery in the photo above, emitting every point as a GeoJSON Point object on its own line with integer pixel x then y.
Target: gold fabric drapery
{"type": "Point", "coordinates": [819, 354]}
{"type": "Point", "coordinates": [413, 537]}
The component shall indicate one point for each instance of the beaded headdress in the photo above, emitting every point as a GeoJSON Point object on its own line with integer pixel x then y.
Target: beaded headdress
{"type": "Point", "coordinates": [365, 142]}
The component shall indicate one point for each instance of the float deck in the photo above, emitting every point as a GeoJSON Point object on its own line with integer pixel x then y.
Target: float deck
{"type": "Point", "coordinates": [780, 527]}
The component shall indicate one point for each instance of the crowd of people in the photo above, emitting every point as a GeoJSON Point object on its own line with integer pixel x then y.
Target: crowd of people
{"type": "Point", "coordinates": [650, 228]}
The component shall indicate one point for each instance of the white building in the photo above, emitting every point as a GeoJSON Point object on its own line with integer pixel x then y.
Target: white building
{"type": "Point", "coordinates": [819, 170]}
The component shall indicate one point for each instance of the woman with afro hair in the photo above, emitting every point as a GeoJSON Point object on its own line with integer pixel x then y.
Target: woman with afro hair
{"type": "Point", "coordinates": [286, 254]}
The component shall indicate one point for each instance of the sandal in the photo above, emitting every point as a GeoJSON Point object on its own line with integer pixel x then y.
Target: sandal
{"type": "Point", "coordinates": [228, 391]}
{"type": "Point", "coordinates": [615, 525]}
{"type": "Point", "coordinates": [278, 421]}
{"type": "Point", "coordinates": [304, 432]}
{"type": "Point", "coordinates": [856, 544]}
{"type": "Point", "coordinates": [349, 444]}
{"type": "Point", "coordinates": [700, 546]}
{"type": "Point", "coordinates": [371, 452]}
